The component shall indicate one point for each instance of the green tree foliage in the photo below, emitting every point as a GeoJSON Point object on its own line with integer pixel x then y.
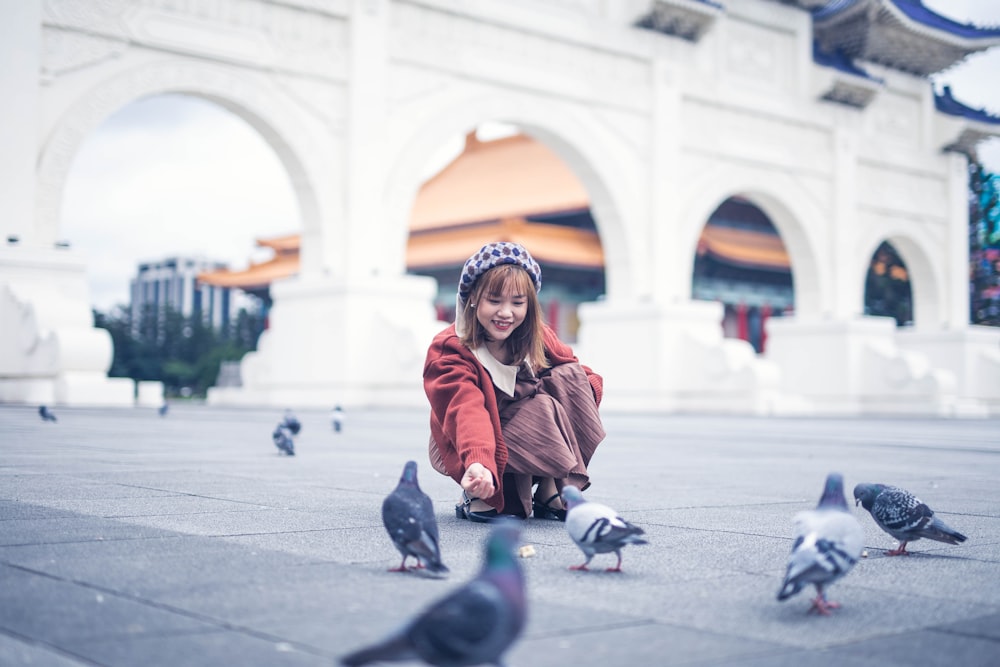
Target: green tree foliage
{"type": "Point", "coordinates": [984, 246]}
{"type": "Point", "coordinates": [182, 352]}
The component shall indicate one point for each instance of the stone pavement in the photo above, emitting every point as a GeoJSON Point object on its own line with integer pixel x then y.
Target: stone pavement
{"type": "Point", "coordinates": [129, 539]}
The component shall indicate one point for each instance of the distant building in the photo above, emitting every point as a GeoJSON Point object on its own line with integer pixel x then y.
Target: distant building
{"type": "Point", "coordinates": [517, 189]}
{"type": "Point", "coordinates": [173, 282]}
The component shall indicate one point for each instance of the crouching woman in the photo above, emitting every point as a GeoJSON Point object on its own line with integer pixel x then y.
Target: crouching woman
{"type": "Point", "coordinates": [513, 413]}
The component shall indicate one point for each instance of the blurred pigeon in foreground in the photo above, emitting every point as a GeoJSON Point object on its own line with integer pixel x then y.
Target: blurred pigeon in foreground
{"type": "Point", "coordinates": [337, 418]}
{"type": "Point", "coordinates": [291, 422]}
{"type": "Point", "coordinates": [163, 409]}
{"type": "Point", "coordinates": [408, 516]}
{"type": "Point", "coordinates": [828, 543]}
{"type": "Point", "coordinates": [473, 625]}
{"type": "Point", "coordinates": [45, 414]}
{"type": "Point", "coordinates": [903, 515]}
{"type": "Point", "coordinates": [597, 529]}
{"type": "Point", "coordinates": [283, 440]}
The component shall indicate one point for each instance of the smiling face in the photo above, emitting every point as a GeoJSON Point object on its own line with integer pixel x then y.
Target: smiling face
{"type": "Point", "coordinates": [506, 317]}
{"type": "Point", "coordinates": [501, 314]}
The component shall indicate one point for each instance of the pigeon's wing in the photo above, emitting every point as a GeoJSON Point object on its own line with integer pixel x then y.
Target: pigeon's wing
{"type": "Point", "coordinates": [828, 545]}
{"type": "Point", "coordinates": [900, 513]}
{"type": "Point", "coordinates": [472, 622]}
{"type": "Point", "coordinates": [409, 519]}
{"type": "Point", "coordinates": [597, 527]}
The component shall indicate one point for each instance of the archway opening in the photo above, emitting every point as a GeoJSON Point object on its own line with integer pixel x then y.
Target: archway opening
{"type": "Point", "coordinates": [741, 261]}
{"type": "Point", "coordinates": [887, 286]}
{"type": "Point", "coordinates": [498, 183]}
{"type": "Point", "coordinates": [167, 193]}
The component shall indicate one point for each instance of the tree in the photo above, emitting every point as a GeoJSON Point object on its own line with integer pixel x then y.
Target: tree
{"type": "Point", "coordinates": [182, 352]}
{"type": "Point", "coordinates": [984, 246]}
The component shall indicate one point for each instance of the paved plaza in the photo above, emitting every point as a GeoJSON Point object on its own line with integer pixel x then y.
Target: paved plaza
{"type": "Point", "coordinates": [130, 539]}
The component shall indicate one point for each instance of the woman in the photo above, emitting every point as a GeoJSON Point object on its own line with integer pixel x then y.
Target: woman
{"type": "Point", "coordinates": [511, 407]}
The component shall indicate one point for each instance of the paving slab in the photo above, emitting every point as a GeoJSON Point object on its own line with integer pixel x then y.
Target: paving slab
{"type": "Point", "coordinates": [127, 538]}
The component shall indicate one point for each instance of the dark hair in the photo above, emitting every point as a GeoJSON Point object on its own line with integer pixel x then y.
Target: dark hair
{"type": "Point", "coordinates": [526, 342]}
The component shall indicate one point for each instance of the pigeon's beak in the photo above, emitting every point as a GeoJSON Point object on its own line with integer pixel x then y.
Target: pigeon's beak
{"type": "Point", "coordinates": [857, 501]}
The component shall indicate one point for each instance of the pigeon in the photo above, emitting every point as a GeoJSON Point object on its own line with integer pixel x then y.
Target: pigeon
{"type": "Point", "coordinates": [597, 529]}
{"type": "Point", "coordinates": [291, 422]}
{"type": "Point", "coordinates": [337, 418]}
{"type": "Point", "coordinates": [283, 439]}
{"type": "Point", "coordinates": [473, 625]}
{"type": "Point", "coordinates": [408, 516]}
{"type": "Point", "coordinates": [828, 543]}
{"type": "Point", "coordinates": [163, 409]}
{"type": "Point", "coordinates": [904, 516]}
{"type": "Point", "coordinates": [46, 414]}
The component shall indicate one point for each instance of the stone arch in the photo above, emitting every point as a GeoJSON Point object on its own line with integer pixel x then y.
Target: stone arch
{"type": "Point", "coordinates": [788, 207]}
{"type": "Point", "coordinates": [588, 147]}
{"type": "Point", "coordinates": [250, 100]}
{"type": "Point", "coordinates": [926, 284]}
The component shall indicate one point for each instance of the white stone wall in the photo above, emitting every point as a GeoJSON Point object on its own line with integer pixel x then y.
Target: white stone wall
{"type": "Point", "coordinates": [356, 95]}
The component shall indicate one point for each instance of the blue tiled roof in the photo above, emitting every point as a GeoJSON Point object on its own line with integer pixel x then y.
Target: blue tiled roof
{"type": "Point", "coordinates": [916, 11]}
{"type": "Point", "coordinates": [946, 103]}
{"type": "Point", "coordinates": [833, 7]}
{"type": "Point", "coordinates": [840, 61]}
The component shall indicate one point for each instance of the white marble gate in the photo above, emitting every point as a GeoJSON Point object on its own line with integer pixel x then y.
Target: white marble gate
{"type": "Point", "coordinates": [354, 95]}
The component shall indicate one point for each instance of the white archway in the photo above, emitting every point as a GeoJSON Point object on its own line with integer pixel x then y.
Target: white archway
{"type": "Point", "coordinates": [249, 100]}
{"type": "Point", "coordinates": [579, 140]}
{"type": "Point", "coordinates": [793, 213]}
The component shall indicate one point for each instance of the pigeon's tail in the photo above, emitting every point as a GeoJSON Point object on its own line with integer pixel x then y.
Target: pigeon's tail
{"type": "Point", "coordinates": [394, 649]}
{"type": "Point", "coordinates": [436, 566]}
{"type": "Point", "coordinates": [789, 588]}
{"type": "Point", "coordinates": [940, 531]}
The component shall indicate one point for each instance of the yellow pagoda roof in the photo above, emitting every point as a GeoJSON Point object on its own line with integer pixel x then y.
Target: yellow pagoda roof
{"type": "Point", "coordinates": [491, 180]}
{"type": "Point", "coordinates": [485, 195]}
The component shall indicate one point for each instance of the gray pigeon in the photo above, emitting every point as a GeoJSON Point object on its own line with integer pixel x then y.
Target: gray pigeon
{"type": "Point", "coordinates": [291, 422]}
{"type": "Point", "coordinates": [473, 625]}
{"type": "Point", "coordinates": [903, 515]}
{"type": "Point", "coordinates": [46, 414]}
{"type": "Point", "coordinates": [827, 545]}
{"type": "Point", "coordinates": [408, 516]}
{"type": "Point", "coordinates": [597, 529]}
{"type": "Point", "coordinates": [283, 440]}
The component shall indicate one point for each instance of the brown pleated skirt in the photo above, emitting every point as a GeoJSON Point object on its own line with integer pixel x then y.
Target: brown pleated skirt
{"type": "Point", "coordinates": [552, 429]}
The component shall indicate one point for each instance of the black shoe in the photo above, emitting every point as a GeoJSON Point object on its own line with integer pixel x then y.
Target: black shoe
{"type": "Point", "coordinates": [547, 511]}
{"type": "Point", "coordinates": [462, 511]}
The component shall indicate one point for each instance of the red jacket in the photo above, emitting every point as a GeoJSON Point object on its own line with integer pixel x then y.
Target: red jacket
{"type": "Point", "coordinates": [465, 419]}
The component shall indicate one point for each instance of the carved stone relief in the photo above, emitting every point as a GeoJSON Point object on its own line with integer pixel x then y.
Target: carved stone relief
{"type": "Point", "coordinates": [760, 137]}
{"type": "Point", "coordinates": [894, 117]}
{"type": "Point", "coordinates": [759, 56]}
{"type": "Point", "coordinates": [278, 35]}
{"type": "Point", "coordinates": [922, 196]}
{"type": "Point", "coordinates": [66, 52]}
{"type": "Point", "coordinates": [490, 51]}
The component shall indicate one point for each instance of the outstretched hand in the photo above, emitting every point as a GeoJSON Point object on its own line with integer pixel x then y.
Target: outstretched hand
{"type": "Point", "coordinates": [478, 481]}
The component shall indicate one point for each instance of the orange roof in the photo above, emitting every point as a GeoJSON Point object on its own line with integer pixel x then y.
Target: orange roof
{"type": "Point", "coordinates": [281, 244]}
{"type": "Point", "coordinates": [744, 246]}
{"type": "Point", "coordinates": [509, 177]}
{"type": "Point", "coordinates": [549, 244]}
{"type": "Point", "coordinates": [256, 275]}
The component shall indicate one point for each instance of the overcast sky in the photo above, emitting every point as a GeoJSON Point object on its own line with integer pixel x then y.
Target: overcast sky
{"type": "Point", "coordinates": [175, 175]}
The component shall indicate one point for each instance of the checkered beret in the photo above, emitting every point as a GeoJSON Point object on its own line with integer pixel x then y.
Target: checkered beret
{"type": "Point", "coordinates": [495, 254]}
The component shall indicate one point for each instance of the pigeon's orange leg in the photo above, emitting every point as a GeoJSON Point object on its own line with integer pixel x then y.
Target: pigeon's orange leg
{"type": "Point", "coordinates": [901, 551]}
{"type": "Point", "coordinates": [402, 566]}
{"type": "Point", "coordinates": [618, 566]}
